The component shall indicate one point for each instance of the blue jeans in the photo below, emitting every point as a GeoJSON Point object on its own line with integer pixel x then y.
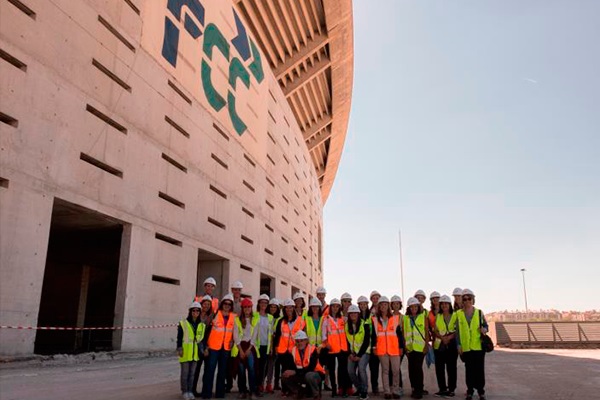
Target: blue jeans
{"type": "Point", "coordinates": [215, 358]}
{"type": "Point", "coordinates": [359, 380]}
{"type": "Point", "coordinates": [247, 364]}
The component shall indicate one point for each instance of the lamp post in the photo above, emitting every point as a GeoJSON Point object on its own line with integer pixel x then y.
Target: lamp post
{"type": "Point", "coordinates": [525, 290]}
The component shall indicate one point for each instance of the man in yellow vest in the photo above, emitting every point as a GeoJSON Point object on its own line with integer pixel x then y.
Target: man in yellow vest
{"type": "Point", "coordinates": [190, 333]}
{"type": "Point", "coordinates": [302, 367]}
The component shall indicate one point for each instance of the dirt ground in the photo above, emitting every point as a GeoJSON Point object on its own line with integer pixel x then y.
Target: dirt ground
{"type": "Point", "coordinates": [510, 374]}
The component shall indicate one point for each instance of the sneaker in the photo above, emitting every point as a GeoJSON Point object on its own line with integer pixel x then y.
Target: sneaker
{"type": "Point", "coordinates": [363, 396]}
{"type": "Point", "coordinates": [441, 393]}
{"type": "Point", "coordinates": [482, 397]}
{"type": "Point", "coordinates": [185, 396]}
{"type": "Point", "coordinates": [417, 395]}
{"type": "Point", "coordinates": [395, 396]}
{"type": "Point", "coordinates": [450, 393]}
{"type": "Point", "coordinates": [424, 392]}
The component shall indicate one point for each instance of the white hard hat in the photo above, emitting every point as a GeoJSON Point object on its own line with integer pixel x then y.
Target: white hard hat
{"type": "Point", "coordinates": [384, 299]}
{"type": "Point", "coordinates": [210, 280]}
{"type": "Point", "coordinates": [362, 299]}
{"type": "Point", "coordinates": [263, 296]}
{"type": "Point", "coordinates": [274, 301]}
{"type": "Point", "coordinates": [346, 296]}
{"type": "Point", "coordinates": [228, 296]}
{"type": "Point", "coordinates": [457, 292]}
{"type": "Point", "coordinates": [297, 296]}
{"type": "Point", "coordinates": [412, 301]}
{"type": "Point", "coordinates": [468, 292]}
{"type": "Point", "coordinates": [434, 294]}
{"type": "Point", "coordinates": [321, 290]}
{"type": "Point", "coordinates": [396, 298]}
{"type": "Point", "coordinates": [420, 292]}
{"type": "Point", "coordinates": [445, 299]}
{"type": "Point", "coordinates": [353, 308]}
{"type": "Point", "coordinates": [289, 303]}
{"type": "Point", "coordinates": [335, 301]}
{"type": "Point", "coordinates": [300, 335]}
{"type": "Point", "coordinates": [195, 304]}
{"type": "Point", "coordinates": [374, 293]}
{"type": "Point", "coordinates": [237, 285]}
{"type": "Point", "coordinates": [206, 298]}
{"type": "Point", "coordinates": [314, 302]}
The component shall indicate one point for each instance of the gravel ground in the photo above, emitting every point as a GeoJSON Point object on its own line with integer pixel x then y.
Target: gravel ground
{"type": "Point", "coordinates": [510, 374]}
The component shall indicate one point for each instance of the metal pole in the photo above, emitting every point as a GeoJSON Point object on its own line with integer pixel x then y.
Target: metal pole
{"type": "Point", "coordinates": [401, 264]}
{"type": "Point", "coordinates": [525, 291]}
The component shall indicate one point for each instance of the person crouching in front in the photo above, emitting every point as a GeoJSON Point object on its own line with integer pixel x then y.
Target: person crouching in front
{"type": "Point", "coordinates": [190, 333]}
{"type": "Point", "coordinates": [302, 367]}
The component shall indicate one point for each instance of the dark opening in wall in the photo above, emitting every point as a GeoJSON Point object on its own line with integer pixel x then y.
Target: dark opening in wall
{"type": "Point", "coordinates": [8, 120]}
{"type": "Point", "coordinates": [168, 239]}
{"type": "Point", "coordinates": [14, 61]}
{"type": "Point", "coordinates": [171, 200]}
{"type": "Point", "coordinates": [164, 279]}
{"type": "Point", "coordinates": [4, 182]}
{"type": "Point", "coordinates": [111, 75]}
{"type": "Point", "coordinates": [249, 186]}
{"type": "Point", "coordinates": [216, 223]}
{"type": "Point", "coordinates": [246, 268]}
{"type": "Point", "coordinates": [221, 131]}
{"type": "Point", "coordinates": [177, 127]}
{"type": "Point", "coordinates": [116, 33]}
{"type": "Point", "coordinates": [99, 164]}
{"type": "Point", "coordinates": [174, 162]}
{"type": "Point", "coordinates": [133, 6]}
{"type": "Point", "coordinates": [176, 89]}
{"type": "Point", "coordinates": [247, 157]}
{"type": "Point", "coordinates": [269, 251]}
{"type": "Point", "coordinates": [218, 191]}
{"type": "Point", "coordinates": [23, 8]}
{"type": "Point", "coordinates": [269, 227]}
{"type": "Point", "coordinates": [248, 212]}
{"type": "Point", "coordinates": [247, 239]}
{"type": "Point", "coordinates": [108, 120]}
{"type": "Point", "coordinates": [219, 161]}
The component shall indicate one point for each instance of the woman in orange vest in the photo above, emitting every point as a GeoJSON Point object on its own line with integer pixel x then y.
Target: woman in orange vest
{"type": "Point", "coordinates": [286, 328]}
{"type": "Point", "coordinates": [219, 343]}
{"type": "Point", "coordinates": [336, 345]}
{"type": "Point", "coordinates": [387, 338]}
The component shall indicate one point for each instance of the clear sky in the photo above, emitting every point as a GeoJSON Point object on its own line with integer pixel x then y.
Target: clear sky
{"type": "Point", "coordinates": [475, 128]}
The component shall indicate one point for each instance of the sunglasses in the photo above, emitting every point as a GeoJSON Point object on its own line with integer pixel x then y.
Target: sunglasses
{"type": "Point", "coordinates": [227, 304]}
{"type": "Point", "coordinates": [195, 310]}
{"type": "Point", "coordinates": [346, 301]}
{"type": "Point", "coordinates": [467, 298]}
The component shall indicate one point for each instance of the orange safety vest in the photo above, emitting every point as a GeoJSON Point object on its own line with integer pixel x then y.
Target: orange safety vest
{"type": "Point", "coordinates": [221, 335]}
{"type": "Point", "coordinates": [387, 340]}
{"type": "Point", "coordinates": [336, 335]}
{"type": "Point", "coordinates": [286, 341]}
{"type": "Point", "coordinates": [302, 363]}
{"type": "Point", "coordinates": [214, 301]}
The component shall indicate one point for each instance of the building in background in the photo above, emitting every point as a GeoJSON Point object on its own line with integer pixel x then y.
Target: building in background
{"type": "Point", "coordinates": [147, 145]}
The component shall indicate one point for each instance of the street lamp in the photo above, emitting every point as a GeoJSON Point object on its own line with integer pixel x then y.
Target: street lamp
{"type": "Point", "coordinates": [525, 290]}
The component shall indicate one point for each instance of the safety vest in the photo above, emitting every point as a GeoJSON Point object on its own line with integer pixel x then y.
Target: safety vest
{"type": "Point", "coordinates": [221, 336]}
{"type": "Point", "coordinates": [302, 363]}
{"type": "Point", "coordinates": [214, 302]}
{"type": "Point", "coordinates": [315, 336]}
{"type": "Point", "coordinates": [336, 337]}
{"type": "Point", "coordinates": [286, 340]}
{"type": "Point", "coordinates": [414, 336]}
{"type": "Point", "coordinates": [470, 336]}
{"type": "Point", "coordinates": [387, 340]}
{"type": "Point", "coordinates": [356, 340]}
{"type": "Point", "coordinates": [240, 328]}
{"type": "Point", "coordinates": [443, 328]}
{"type": "Point", "coordinates": [190, 340]}
{"type": "Point", "coordinates": [269, 335]}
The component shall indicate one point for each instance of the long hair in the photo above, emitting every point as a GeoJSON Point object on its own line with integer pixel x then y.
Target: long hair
{"type": "Point", "coordinates": [380, 315]}
{"type": "Point", "coordinates": [433, 309]}
{"type": "Point", "coordinates": [351, 325]}
{"type": "Point", "coordinates": [338, 314]}
{"type": "Point", "coordinates": [276, 314]}
{"type": "Point", "coordinates": [294, 316]}
{"type": "Point", "coordinates": [419, 311]}
{"type": "Point", "coordinates": [310, 312]}
{"type": "Point", "coordinates": [243, 318]}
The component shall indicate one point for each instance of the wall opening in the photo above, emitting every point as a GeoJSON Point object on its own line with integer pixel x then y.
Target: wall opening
{"type": "Point", "coordinates": [210, 264]}
{"type": "Point", "coordinates": [80, 280]}
{"type": "Point", "coordinates": [267, 285]}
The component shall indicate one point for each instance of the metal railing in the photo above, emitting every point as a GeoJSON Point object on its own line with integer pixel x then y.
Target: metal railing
{"type": "Point", "coordinates": [548, 333]}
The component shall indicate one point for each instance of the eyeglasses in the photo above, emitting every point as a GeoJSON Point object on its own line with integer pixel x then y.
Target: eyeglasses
{"type": "Point", "coordinates": [346, 301]}
{"type": "Point", "coordinates": [195, 310]}
{"type": "Point", "coordinates": [467, 298]}
{"type": "Point", "coordinates": [227, 304]}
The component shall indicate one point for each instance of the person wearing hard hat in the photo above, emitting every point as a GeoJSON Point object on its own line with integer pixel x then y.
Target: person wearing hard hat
{"type": "Point", "coordinates": [264, 339]}
{"type": "Point", "coordinates": [321, 294]}
{"type": "Point", "coordinates": [416, 337]}
{"type": "Point", "coordinates": [245, 337]}
{"type": "Point", "coordinates": [457, 294]}
{"type": "Point", "coordinates": [301, 366]}
{"type": "Point", "coordinates": [190, 333]}
{"type": "Point", "coordinates": [434, 299]}
{"type": "Point", "coordinates": [386, 337]}
{"type": "Point", "coordinates": [470, 326]}
{"type": "Point", "coordinates": [206, 317]}
{"type": "Point", "coordinates": [299, 304]}
{"type": "Point", "coordinates": [286, 328]}
{"type": "Point", "coordinates": [209, 287]}
{"type": "Point", "coordinates": [444, 347]}
{"type": "Point", "coordinates": [396, 305]}
{"type": "Point", "coordinates": [272, 371]}
{"type": "Point", "coordinates": [336, 347]}
{"type": "Point", "coordinates": [358, 335]}
{"type": "Point", "coordinates": [346, 299]}
{"type": "Point", "coordinates": [314, 319]}
{"type": "Point", "coordinates": [363, 306]}
{"type": "Point", "coordinates": [374, 361]}
{"type": "Point", "coordinates": [220, 343]}
{"type": "Point", "coordinates": [236, 290]}
{"type": "Point", "coordinates": [421, 296]}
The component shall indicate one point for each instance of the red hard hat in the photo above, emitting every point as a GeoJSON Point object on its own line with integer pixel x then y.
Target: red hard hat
{"type": "Point", "coordinates": [246, 302]}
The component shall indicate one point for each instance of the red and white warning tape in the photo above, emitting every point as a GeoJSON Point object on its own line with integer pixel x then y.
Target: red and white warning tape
{"type": "Point", "coordinates": [87, 328]}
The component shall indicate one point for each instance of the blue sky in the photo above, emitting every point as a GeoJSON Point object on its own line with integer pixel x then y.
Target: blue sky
{"type": "Point", "coordinates": [475, 128]}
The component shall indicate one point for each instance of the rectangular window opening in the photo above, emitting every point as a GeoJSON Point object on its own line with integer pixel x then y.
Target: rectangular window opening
{"type": "Point", "coordinates": [272, 117]}
{"type": "Point", "coordinates": [286, 121]}
{"type": "Point", "coordinates": [284, 283]}
{"type": "Point", "coordinates": [179, 92]}
{"type": "Point", "coordinates": [4, 183]}
{"type": "Point", "coordinates": [217, 223]}
{"type": "Point", "coordinates": [248, 212]}
{"type": "Point", "coordinates": [133, 6]}
{"type": "Point", "coordinates": [268, 251]}
{"type": "Point", "coordinates": [116, 33]}
{"type": "Point", "coordinates": [99, 164]}
{"type": "Point", "coordinates": [249, 186]}
{"type": "Point", "coordinates": [8, 120]}
{"type": "Point", "coordinates": [221, 131]}
{"type": "Point", "coordinates": [171, 200]}
{"type": "Point", "coordinates": [269, 227]}
{"type": "Point", "coordinates": [13, 60]}
{"type": "Point", "coordinates": [246, 268]}
{"type": "Point", "coordinates": [271, 137]}
{"type": "Point", "coordinates": [284, 239]}
{"type": "Point", "coordinates": [283, 260]}
{"type": "Point", "coordinates": [273, 96]}
{"type": "Point", "coordinates": [247, 239]}
{"type": "Point", "coordinates": [219, 161]}
{"type": "Point", "coordinates": [173, 162]}
{"type": "Point", "coordinates": [270, 159]}
{"type": "Point", "coordinates": [23, 8]}
{"type": "Point", "coordinates": [168, 239]}
{"type": "Point", "coordinates": [111, 75]}
{"type": "Point", "coordinates": [295, 268]}
{"type": "Point", "coordinates": [284, 218]}
{"type": "Point", "coordinates": [286, 159]}
{"type": "Point", "coordinates": [285, 179]}
{"type": "Point", "coordinates": [286, 140]}
{"type": "Point", "coordinates": [271, 206]}
{"type": "Point", "coordinates": [108, 120]}
{"type": "Point", "coordinates": [164, 279]}
{"type": "Point", "coordinates": [270, 181]}
{"type": "Point", "coordinates": [218, 191]}
{"type": "Point", "coordinates": [247, 157]}
{"type": "Point", "coordinates": [285, 198]}
{"type": "Point", "coordinates": [177, 127]}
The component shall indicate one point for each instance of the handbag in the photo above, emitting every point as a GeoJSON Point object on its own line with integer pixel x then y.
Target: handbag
{"type": "Point", "coordinates": [486, 342]}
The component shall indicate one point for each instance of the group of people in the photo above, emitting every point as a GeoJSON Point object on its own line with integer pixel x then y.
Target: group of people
{"type": "Point", "coordinates": [334, 346]}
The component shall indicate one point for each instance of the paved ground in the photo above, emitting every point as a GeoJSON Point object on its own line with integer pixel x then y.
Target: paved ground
{"type": "Point", "coordinates": [511, 374]}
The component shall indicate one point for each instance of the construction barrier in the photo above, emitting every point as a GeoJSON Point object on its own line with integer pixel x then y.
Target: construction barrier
{"type": "Point", "coordinates": [548, 334]}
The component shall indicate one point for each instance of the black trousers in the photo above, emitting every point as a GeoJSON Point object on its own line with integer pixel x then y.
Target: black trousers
{"type": "Point", "coordinates": [415, 370]}
{"type": "Point", "coordinates": [374, 369]}
{"type": "Point", "coordinates": [340, 378]}
{"type": "Point", "coordinates": [475, 371]}
{"type": "Point", "coordinates": [197, 372]}
{"type": "Point", "coordinates": [261, 370]}
{"type": "Point", "coordinates": [445, 362]}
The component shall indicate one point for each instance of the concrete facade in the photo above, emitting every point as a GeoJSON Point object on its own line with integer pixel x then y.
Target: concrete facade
{"type": "Point", "coordinates": [94, 115]}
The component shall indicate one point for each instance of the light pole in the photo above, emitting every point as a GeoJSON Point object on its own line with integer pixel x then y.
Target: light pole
{"type": "Point", "coordinates": [525, 290]}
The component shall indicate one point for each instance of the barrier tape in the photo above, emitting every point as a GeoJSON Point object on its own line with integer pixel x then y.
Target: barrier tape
{"type": "Point", "coordinates": [96, 328]}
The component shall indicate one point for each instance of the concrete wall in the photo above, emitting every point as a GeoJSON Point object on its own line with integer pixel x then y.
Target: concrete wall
{"type": "Point", "coordinates": [40, 159]}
